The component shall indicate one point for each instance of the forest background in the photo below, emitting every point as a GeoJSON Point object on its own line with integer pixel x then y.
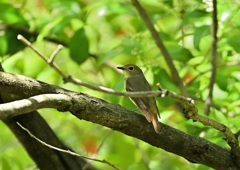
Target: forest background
{"type": "Point", "coordinates": [190, 47]}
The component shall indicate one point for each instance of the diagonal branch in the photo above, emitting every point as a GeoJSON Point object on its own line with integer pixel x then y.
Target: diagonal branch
{"type": "Point", "coordinates": [160, 45]}
{"type": "Point", "coordinates": [64, 150]}
{"type": "Point", "coordinates": [192, 148]}
{"type": "Point", "coordinates": [65, 102]}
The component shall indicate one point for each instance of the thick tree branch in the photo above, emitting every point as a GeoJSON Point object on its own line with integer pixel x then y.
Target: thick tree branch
{"type": "Point", "coordinates": [160, 45]}
{"type": "Point", "coordinates": [194, 149]}
{"type": "Point", "coordinates": [64, 102]}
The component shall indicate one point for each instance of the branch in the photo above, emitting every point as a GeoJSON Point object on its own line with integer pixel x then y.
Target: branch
{"type": "Point", "coordinates": [58, 101]}
{"type": "Point", "coordinates": [64, 102]}
{"type": "Point", "coordinates": [160, 45]}
{"type": "Point", "coordinates": [194, 149]}
{"type": "Point", "coordinates": [214, 58]}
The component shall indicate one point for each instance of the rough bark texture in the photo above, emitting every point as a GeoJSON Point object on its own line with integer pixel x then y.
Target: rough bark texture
{"type": "Point", "coordinates": [192, 148]}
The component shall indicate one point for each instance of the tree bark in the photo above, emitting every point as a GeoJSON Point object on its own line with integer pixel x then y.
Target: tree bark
{"type": "Point", "coordinates": [192, 148]}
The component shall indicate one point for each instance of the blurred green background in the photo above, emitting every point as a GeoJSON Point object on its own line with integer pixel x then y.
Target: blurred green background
{"type": "Point", "coordinates": [99, 35]}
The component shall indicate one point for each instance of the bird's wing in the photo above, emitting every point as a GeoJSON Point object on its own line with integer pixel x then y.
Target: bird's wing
{"type": "Point", "coordinates": [142, 103]}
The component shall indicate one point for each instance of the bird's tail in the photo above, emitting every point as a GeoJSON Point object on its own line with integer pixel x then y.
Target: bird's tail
{"type": "Point", "coordinates": [156, 123]}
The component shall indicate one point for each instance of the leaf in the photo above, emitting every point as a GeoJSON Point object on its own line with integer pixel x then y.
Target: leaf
{"type": "Point", "coordinates": [161, 76]}
{"type": "Point", "coordinates": [199, 33]}
{"type": "Point", "coordinates": [13, 19]}
{"type": "Point", "coordinates": [11, 15]}
{"type": "Point", "coordinates": [79, 46]}
{"type": "Point", "coordinates": [222, 79]}
{"type": "Point", "coordinates": [178, 52]}
{"type": "Point", "coordinates": [198, 13]}
{"type": "Point", "coordinates": [232, 38]}
{"type": "Point", "coordinates": [48, 27]}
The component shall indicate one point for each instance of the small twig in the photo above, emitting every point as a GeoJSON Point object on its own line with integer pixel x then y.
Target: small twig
{"type": "Point", "coordinates": [29, 44]}
{"type": "Point", "coordinates": [59, 48]}
{"type": "Point", "coordinates": [65, 151]}
{"type": "Point", "coordinates": [214, 58]}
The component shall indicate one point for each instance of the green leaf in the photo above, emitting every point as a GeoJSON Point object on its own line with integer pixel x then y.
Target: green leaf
{"type": "Point", "coordinates": [79, 46]}
{"type": "Point", "coordinates": [222, 79]}
{"type": "Point", "coordinates": [15, 24]}
{"type": "Point", "coordinates": [11, 15]}
{"type": "Point", "coordinates": [199, 33]}
{"type": "Point", "coordinates": [48, 27]}
{"type": "Point", "coordinates": [178, 52]}
{"type": "Point", "coordinates": [198, 13]}
{"type": "Point", "coordinates": [232, 38]}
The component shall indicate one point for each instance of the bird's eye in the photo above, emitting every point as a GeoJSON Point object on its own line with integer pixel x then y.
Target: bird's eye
{"type": "Point", "coordinates": [130, 68]}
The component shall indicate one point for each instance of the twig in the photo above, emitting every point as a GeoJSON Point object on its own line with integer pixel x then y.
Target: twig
{"type": "Point", "coordinates": [214, 57]}
{"type": "Point", "coordinates": [52, 57]}
{"type": "Point", "coordinates": [68, 78]}
{"type": "Point", "coordinates": [29, 44]}
{"type": "Point", "coordinates": [65, 151]}
{"type": "Point", "coordinates": [160, 45]}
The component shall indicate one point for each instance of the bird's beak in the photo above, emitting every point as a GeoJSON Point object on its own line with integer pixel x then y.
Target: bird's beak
{"type": "Point", "coordinates": [121, 68]}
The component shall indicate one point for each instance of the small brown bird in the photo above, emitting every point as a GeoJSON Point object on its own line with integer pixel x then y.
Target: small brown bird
{"type": "Point", "coordinates": [136, 81]}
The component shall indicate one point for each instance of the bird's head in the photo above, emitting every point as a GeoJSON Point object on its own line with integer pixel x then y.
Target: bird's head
{"type": "Point", "coordinates": [130, 70]}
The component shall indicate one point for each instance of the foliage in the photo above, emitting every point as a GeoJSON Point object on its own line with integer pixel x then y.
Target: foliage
{"type": "Point", "coordinates": [100, 34]}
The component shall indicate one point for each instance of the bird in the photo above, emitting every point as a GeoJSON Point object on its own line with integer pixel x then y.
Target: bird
{"type": "Point", "coordinates": [135, 81]}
